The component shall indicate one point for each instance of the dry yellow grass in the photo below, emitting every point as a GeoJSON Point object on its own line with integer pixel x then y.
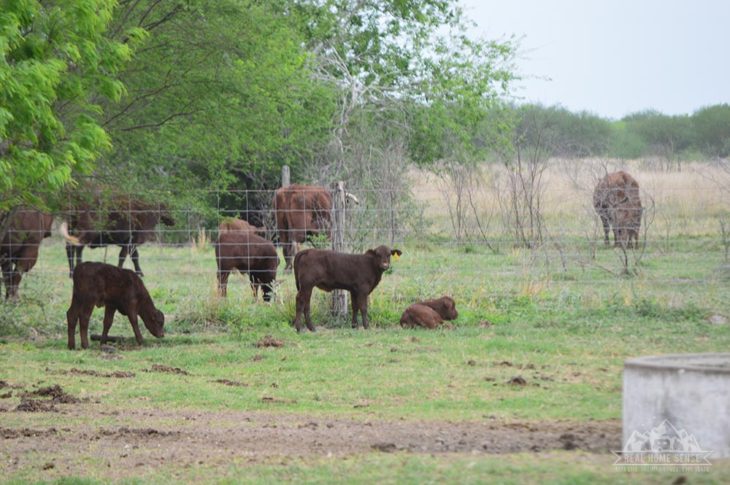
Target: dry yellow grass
{"type": "Point", "coordinates": [689, 202]}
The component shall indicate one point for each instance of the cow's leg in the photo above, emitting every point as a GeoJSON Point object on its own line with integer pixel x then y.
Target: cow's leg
{"type": "Point", "coordinates": [12, 290]}
{"type": "Point", "coordinates": [362, 300]}
{"type": "Point", "coordinates": [135, 325]}
{"type": "Point", "coordinates": [288, 249]}
{"type": "Point", "coordinates": [7, 269]}
{"type": "Point", "coordinates": [223, 282]}
{"type": "Point", "coordinates": [355, 308]}
{"type": "Point", "coordinates": [123, 255]}
{"type": "Point", "coordinates": [108, 319]}
{"type": "Point", "coordinates": [308, 312]}
{"type": "Point", "coordinates": [70, 251]}
{"type": "Point", "coordinates": [84, 324]}
{"type": "Point", "coordinates": [72, 316]}
{"type": "Point", "coordinates": [303, 297]}
{"type": "Point", "coordinates": [604, 222]}
{"type": "Point", "coordinates": [134, 254]}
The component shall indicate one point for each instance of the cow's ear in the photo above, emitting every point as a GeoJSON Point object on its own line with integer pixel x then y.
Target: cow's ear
{"type": "Point", "coordinates": [396, 251]}
{"type": "Point", "coordinates": [371, 252]}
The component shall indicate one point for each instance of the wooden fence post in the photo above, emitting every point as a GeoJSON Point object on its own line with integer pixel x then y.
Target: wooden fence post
{"type": "Point", "coordinates": [285, 180]}
{"type": "Point", "coordinates": [339, 297]}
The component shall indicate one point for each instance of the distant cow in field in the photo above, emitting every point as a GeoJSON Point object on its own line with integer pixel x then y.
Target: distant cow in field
{"type": "Point", "coordinates": [116, 289]}
{"type": "Point", "coordinates": [301, 211]}
{"type": "Point", "coordinates": [20, 246]}
{"type": "Point", "coordinates": [618, 204]}
{"type": "Point", "coordinates": [429, 313]}
{"type": "Point", "coordinates": [128, 224]}
{"type": "Point", "coordinates": [248, 253]}
{"type": "Point", "coordinates": [328, 270]}
{"type": "Point", "coordinates": [239, 225]}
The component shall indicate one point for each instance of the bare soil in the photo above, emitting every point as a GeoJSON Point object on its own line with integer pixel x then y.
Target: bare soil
{"type": "Point", "coordinates": [151, 438]}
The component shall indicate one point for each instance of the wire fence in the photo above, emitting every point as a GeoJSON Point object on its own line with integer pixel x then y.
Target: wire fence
{"type": "Point", "coordinates": [683, 235]}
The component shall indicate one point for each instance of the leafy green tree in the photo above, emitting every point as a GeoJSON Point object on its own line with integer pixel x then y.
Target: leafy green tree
{"type": "Point", "coordinates": [665, 136]}
{"type": "Point", "coordinates": [56, 64]}
{"type": "Point", "coordinates": [712, 130]}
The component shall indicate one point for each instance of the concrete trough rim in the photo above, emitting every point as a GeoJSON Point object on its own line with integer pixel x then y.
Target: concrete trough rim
{"type": "Point", "coordinates": [665, 362]}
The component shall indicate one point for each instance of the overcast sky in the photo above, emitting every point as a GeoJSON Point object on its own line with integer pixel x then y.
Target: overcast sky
{"type": "Point", "coordinates": [614, 57]}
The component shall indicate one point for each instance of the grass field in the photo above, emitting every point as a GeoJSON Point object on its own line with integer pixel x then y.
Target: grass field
{"type": "Point", "coordinates": [209, 404]}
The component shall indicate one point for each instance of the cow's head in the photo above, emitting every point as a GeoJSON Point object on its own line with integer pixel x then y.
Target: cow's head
{"type": "Point", "coordinates": [381, 256]}
{"type": "Point", "coordinates": [447, 308]}
{"type": "Point", "coordinates": [156, 323]}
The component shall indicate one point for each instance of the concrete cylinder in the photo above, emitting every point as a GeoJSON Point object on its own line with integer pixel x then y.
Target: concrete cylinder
{"type": "Point", "coordinates": [687, 394]}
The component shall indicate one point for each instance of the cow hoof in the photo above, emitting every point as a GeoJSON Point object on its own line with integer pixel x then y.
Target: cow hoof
{"type": "Point", "coordinates": [140, 274]}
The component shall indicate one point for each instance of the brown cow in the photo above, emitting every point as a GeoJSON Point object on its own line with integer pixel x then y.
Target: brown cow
{"type": "Point", "coordinates": [116, 289]}
{"type": "Point", "coordinates": [248, 253]}
{"type": "Point", "coordinates": [429, 313]}
{"type": "Point", "coordinates": [128, 225]}
{"type": "Point", "coordinates": [618, 204]}
{"type": "Point", "coordinates": [328, 270]}
{"type": "Point", "coordinates": [239, 225]}
{"type": "Point", "coordinates": [301, 211]}
{"type": "Point", "coordinates": [20, 245]}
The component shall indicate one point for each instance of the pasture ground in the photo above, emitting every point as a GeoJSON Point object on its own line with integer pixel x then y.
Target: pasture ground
{"type": "Point", "coordinates": [525, 387]}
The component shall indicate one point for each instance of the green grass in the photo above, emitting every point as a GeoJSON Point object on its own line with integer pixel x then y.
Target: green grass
{"type": "Point", "coordinates": [566, 328]}
{"type": "Point", "coordinates": [553, 468]}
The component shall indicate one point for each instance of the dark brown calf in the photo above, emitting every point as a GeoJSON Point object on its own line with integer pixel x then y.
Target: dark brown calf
{"type": "Point", "coordinates": [239, 225]}
{"type": "Point", "coordinates": [247, 253]}
{"type": "Point", "coordinates": [328, 270]}
{"type": "Point", "coordinates": [116, 289]}
{"type": "Point", "coordinates": [429, 313]}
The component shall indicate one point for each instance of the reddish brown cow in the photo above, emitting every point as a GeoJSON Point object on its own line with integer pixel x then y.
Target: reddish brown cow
{"type": "Point", "coordinates": [429, 313]}
{"type": "Point", "coordinates": [618, 204]}
{"type": "Point", "coordinates": [116, 289]}
{"type": "Point", "coordinates": [20, 245]}
{"type": "Point", "coordinates": [239, 225]}
{"type": "Point", "coordinates": [128, 225]}
{"type": "Point", "coordinates": [248, 253]}
{"type": "Point", "coordinates": [301, 211]}
{"type": "Point", "coordinates": [328, 270]}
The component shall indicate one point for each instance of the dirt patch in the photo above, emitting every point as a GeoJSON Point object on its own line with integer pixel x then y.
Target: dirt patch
{"type": "Point", "coordinates": [88, 372]}
{"type": "Point", "coordinates": [227, 382]}
{"type": "Point", "coordinates": [35, 406]}
{"type": "Point", "coordinates": [140, 432]}
{"type": "Point", "coordinates": [269, 341]}
{"type": "Point", "coordinates": [167, 369]}
{"type": "Point", "coordinates": [55, 392]}
{"type": "Point", "coordinates": [187, 438]}
{"type": "Point", "coordinates": [9, 434]}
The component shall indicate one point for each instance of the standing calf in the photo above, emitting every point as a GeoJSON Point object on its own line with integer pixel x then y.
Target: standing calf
{"type": "Point", "coordinates": [328, 270]}
{"type": "Point", "coordinates": [248, 253]}
{"type": "Point", "coordinates": [429, 313]}
{"type": "Point", "coordinates": [99, 284]}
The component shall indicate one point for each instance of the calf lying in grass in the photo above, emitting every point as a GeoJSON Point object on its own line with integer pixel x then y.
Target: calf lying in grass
{"type": "Point", "coordinates": [328, 270]}
{"type": "Point", "coordinates": [429, 313]}
{"type": "Point", "coordinates": [99, 284]}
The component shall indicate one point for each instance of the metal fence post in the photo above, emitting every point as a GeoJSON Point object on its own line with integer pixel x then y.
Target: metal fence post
{"type": "Point", "coordinates": [339, 297]}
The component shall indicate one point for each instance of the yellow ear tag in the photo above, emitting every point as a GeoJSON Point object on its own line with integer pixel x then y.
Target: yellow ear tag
{"type": "Point", "coordinates": [395, 257]}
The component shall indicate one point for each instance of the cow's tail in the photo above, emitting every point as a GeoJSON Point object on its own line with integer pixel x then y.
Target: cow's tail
{"type": "Point", "coordinates": [297, 257]}
{"type": "Point", "coordinates": [73, 240]}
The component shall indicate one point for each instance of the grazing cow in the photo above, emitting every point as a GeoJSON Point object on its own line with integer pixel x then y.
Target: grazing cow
{"type": "Point", "coordinates": [248, 253]}
{"type": "Point", "coordinates": [618, 204]}
{"type": "Point", "coordinates": [128, 225]}
{"type": "Point", "coordinates": [429, 313]}
{"type": "Point", "coordinates": [301, 211]}
{"type": "Point", "coordinates": [239, 225]}
{"type": "Point", "coordinates": [116, 289]}
{"type": "Point", "coordinates": [328, 270]}
{"type": "Point", "coordinates": [20, 245]}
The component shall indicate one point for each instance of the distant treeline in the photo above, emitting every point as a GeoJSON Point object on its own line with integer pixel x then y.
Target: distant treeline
{"type": "Point", "coordinates": [705, 134]}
